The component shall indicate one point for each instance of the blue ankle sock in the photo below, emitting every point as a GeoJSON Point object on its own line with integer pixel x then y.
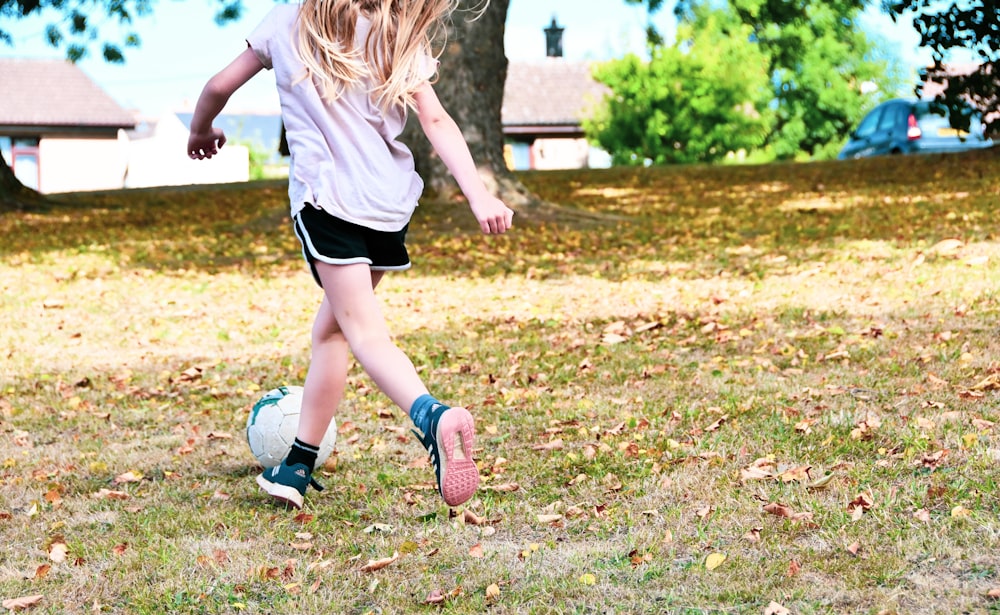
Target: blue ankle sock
{"type": "Point", "coordinates": [420, 412]}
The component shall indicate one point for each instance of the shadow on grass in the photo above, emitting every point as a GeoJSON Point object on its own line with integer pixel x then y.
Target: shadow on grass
{"type": "Point", "coordinates": [690, 221]}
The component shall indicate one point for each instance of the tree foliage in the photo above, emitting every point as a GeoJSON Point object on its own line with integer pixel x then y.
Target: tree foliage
{"type": "Point", "coordinates": [693, 101]}
{"type": "Point", "coordinates": [786, 78]}
{"type": "Point", "coordinates": [970, 26]}
{"type": "Point", "coordinates": [77, 26]}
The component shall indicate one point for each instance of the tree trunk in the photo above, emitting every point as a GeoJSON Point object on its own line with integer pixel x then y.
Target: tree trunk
{"type": "Point", "coordinates": [14, 196]}
{"type": "Point", "coordinates": [473, 71]}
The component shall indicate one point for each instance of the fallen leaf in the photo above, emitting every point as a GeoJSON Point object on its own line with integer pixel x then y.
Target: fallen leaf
{"type": "Point", "coordinates": [549, 518]}
{"type": "Point", "coordinates": [16, 604]}
{"type": "Point", "coordinates": [120, 548]}
{"type": "Point", "coordinates": [588, 579]}
{"type": "Point", "coordinates": [776, 609]}
{"type": "Point", "coordinates": [435, 597]}
{"type": "Point", "coordinates": [379, 564]}
{"type": "Point", "coordinates": [476, 551]}
{"type": "Point", "coordinates": [492, 593]}
{"type": "Point", "coordinates": [753, 535]}
{"type": "Point", "coordinates": [58, 552]}
{"type": "Point", "coordinates": [552, 445]}
{"type": "Point", "coordinates": [922, 515]}
{"type": "Point", "coordinates": [714, 560]}
{"type": "Point", "coordinates": [993, 594]}
{"type": "Point", "coordinates": [854, 547]}
{"type": "Point", "coordinates": [128, 477]}
{"type": "Point", "coordinates": [793, 568]}
{"type": "Point", "coordinates": [471, 518]}
{"type": "Point", "coordinates": [504, 488]}
{"type": "Point", "coordinates": [945, 246]}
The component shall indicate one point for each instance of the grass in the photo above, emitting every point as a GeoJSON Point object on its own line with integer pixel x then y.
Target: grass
{"type": "Point", "coordinates": [786, 368]}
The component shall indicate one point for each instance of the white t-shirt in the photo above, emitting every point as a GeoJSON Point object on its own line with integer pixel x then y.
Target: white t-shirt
{"type": "Point", "coordinates": [346, 157]}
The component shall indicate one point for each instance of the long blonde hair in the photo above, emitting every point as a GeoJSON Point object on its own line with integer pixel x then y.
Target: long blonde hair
{"type": "Point", "coordinates": [403, 33]}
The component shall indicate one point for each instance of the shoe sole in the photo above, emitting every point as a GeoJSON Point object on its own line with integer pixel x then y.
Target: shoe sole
{"type": "Point", "coordinates": [456, 436]}
{"type": "Point", "coordinates": [289, 496]}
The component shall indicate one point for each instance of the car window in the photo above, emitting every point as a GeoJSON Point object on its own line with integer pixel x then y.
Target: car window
{"type": "Point", "coordinates": [890, 117]}
{"type": "Point", "coordinates": [868, 125]}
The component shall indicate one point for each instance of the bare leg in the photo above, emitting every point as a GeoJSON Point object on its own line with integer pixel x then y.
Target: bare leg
{"type": "Point", "coordinates": [356, 315]}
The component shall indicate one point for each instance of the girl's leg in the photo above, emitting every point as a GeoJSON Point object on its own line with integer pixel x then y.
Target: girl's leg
{"type": "Point", "coordinates": [448, 433]}
{"type": "Point", "coordinates": [326, 378]}
{"type": "Point", "coordinates": [350, 297]}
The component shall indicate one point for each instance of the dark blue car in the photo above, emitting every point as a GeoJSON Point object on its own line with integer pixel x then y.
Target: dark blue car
{"type": "Point", "coordinates": [904, 126]}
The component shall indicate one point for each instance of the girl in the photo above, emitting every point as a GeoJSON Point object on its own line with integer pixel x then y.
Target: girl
{"type": "Point", "coordinates": [346, 73]}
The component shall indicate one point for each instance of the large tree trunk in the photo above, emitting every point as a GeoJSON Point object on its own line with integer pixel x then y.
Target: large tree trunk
{"type": "Point", "coordinates": [473, 71]}
{"type": "Point", "coordinates": [14, 196]}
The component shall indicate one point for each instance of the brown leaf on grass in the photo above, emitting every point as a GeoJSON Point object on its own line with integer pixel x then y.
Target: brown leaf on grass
{"type": "Point", "coordinates": [993, 594]}
{"type": "Point", "coordinates": [379, 564]}
{"type": "Point", "coordinates": [106, 494]}
{"type": "Point", "coordinates": [760, 469]}
{"type": "Point", "coordinates": [551, 445]}
{"type": "Point", "coordinates": [781, 510]}
{"type": "Point", "coordinates": [219, 435]}
{"type": "Point", "coordinates": [24, 602]}
{"type": "Point", "coordinates": [476, 551]}
{"type": "Point", "coordinates": [42, 571]}
{"type": "Point", "coordinates": [58, 551]}
{"type": "Point", "coordinates": [922, 515]}
{"type": "Point", "coordinates": [989, 383]}
{"type": "Point", "coordinates": [552, 518]}
{"type": "Point", "coordinates": [793, 568]}
{"type": "Point", "coordinates": [932, 460]}
{"type": "Point", "coordinates": [853, 548]}
{"type": "Point", "coordinates": [753, 534]}
{"type": "Point", "coordinates": [492, 593]}
{"type": "Point", "coordinates": [504, 488]}
{"type": "Point", "coordinates": [471, 518]}
{"type": "Point", "coordinates": [861, 501]}
{"type": "Point", "coordinates": [717, 424]}
{"type": "Point", "coordinates": [128, 477]}
{"type": "Point", "coordinates": [776, 609]}
{"type": "Point", "coordinates": [797, 474]}
{"type": "Point", "coordinates": [982, 424]}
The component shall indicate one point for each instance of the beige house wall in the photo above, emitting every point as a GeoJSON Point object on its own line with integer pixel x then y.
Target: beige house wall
{"type": "Point", "coordinates": [551, 154]}
{"type": "Point", "coordinates": [80, 164]}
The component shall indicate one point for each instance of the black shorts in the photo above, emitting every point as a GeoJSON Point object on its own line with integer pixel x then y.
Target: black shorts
{"type": "Point", "coordinates": [328, 239]}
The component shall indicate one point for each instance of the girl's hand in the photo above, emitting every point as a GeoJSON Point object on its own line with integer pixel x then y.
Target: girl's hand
{"type": "Point", "coordinates": [494, 217]}
{"type": "Point", "coordinates": [205, 145]}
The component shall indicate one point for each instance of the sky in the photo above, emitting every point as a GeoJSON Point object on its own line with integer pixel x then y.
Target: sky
{"type": "Point", "coordinates": [182, 47]}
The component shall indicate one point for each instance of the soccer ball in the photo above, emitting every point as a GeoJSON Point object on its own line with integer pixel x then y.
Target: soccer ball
{"type": "Point", "coordinates": [272, 425]}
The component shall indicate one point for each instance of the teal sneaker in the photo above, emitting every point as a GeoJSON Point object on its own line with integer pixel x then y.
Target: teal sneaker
{"type": "Point", "coordinates": [449, 441]}
{"type": "Point", "coordinates": [288, 484]}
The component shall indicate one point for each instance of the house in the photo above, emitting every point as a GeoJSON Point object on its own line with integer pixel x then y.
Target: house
{"type": "Point", "coordinates": [544, 104]}
{"type": "Point", "coordinates": [60, 132]}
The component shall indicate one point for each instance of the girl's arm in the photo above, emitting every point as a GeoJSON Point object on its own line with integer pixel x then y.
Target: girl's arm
{"type": "Point", "coordinates": [450, 145]}
{"type": "Point", "coordinates": [204, 140]}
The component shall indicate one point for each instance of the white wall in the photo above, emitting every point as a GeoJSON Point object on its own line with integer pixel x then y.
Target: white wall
{"type": "Point", "coordinates": [161, 160]}
{"type": "Point", "coordinates": [74, 164]}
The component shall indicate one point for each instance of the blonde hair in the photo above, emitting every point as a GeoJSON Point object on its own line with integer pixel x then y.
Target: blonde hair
{"type": "Point", "coordinates": [402, 34]}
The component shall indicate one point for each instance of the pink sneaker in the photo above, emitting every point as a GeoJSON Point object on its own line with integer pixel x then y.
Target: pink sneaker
{"type": "Point", "coordinates": [449, 441]}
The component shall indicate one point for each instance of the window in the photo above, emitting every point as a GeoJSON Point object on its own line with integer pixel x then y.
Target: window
{"type": "Point", "coordinates": [21, 154]}
{"type": "Point", "coordinates": [867, 127]}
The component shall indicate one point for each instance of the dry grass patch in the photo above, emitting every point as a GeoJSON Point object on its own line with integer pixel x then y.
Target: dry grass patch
{"type": "Point", "coordinates": [701, 395]}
